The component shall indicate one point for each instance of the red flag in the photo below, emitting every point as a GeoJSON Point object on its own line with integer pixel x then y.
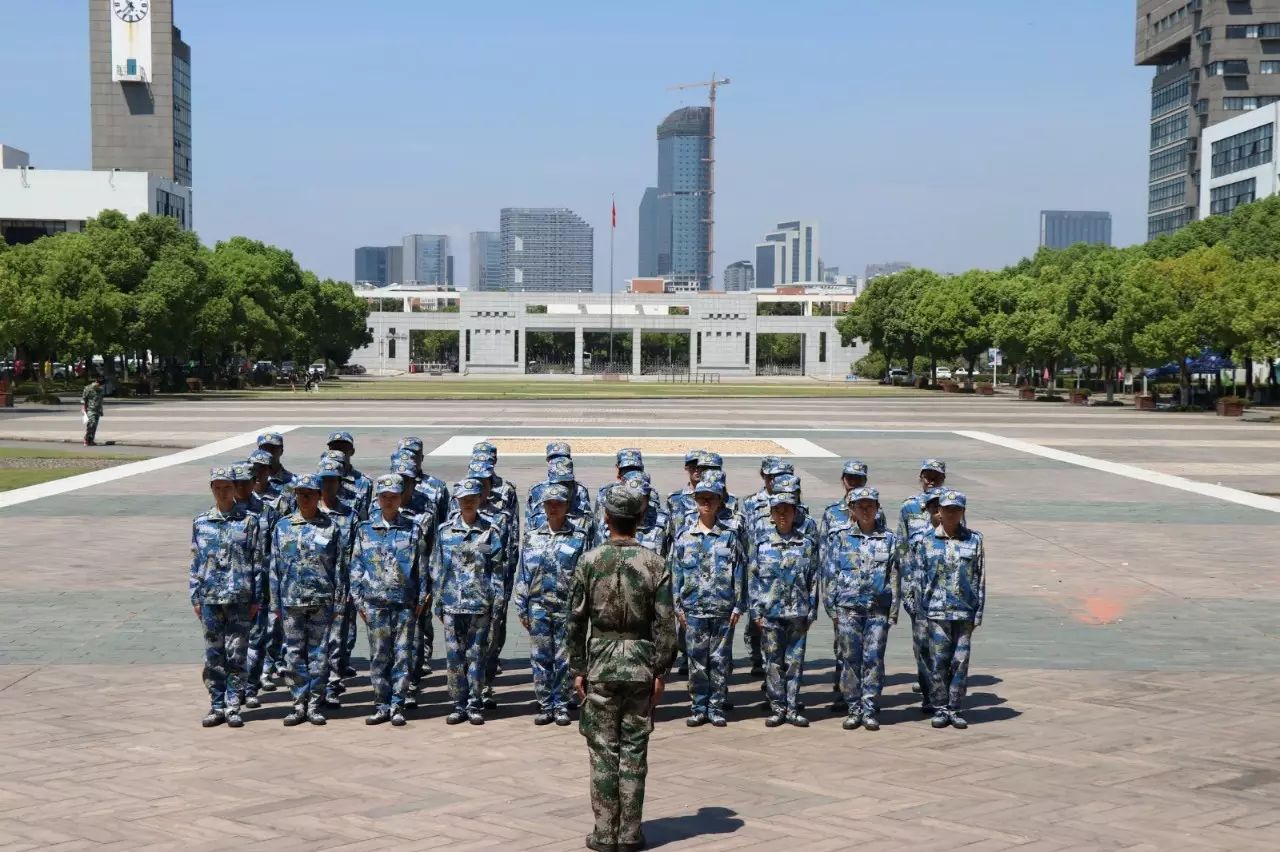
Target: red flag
{"type": "Point", "coordinates": [615, 214]}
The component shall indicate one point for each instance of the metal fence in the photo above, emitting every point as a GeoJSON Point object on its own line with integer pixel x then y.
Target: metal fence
{"type": "Point", "coordinates": [545, 367]}
{"type": "Point", "coordinates": [779, 370]}
{"type": "Point", "coordinates": [689, 378]}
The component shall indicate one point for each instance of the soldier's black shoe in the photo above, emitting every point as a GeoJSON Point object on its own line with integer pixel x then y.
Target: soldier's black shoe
{"type": "Point", "coordinates": [697, 720]}
{"type": "Point", "coordinates": [718, 720]}
{"type": "Point", "coordinates": [397, 717]}
{"type": "Point", "coordinates": [941, 719]}
{"type": "Point", "coordinates": [915, 687]}
{"type": "Point", "coordinates": [297, 717]}
{"type": "Point", "coordinates": [871, 723]}
{"type": "Point", "coordinates": [851, 721]}
{"type": "Point", "coordinates": [544, 717]}
{"type": "Point", "coordinates": [457, 717]}
{"type": "Point", "coordinates": [379, 716]}
{"type": "Point", "coordinates": [798, 720]}
{"type": "Point", "coordinates": [331, 700]}
{"type": "Point", "coordinates": [839, 706]}
{"type": "Point", "coordinates": [598, 846]}
{"type": "Point", "coordinates": [562, 717]}
{"type": "Point", "coordinates": [252, 702]}
{"type": "Point", "coordinates": [234, 720]}
{"type": "Point", "coordinates": [213, 718]}
{"type": "Point", "coordinates": [957, 721]}
{"type": "Point", "coordinates": [775, 720]}
{"type": "Point", "coordinates": [348, 672]}
{"type": "Point", "coordinates": [757, 670]}
{"type": "Point", "coordinates": [315, 717]}
{"type": "Point", "coordinates": [411, 701]}
{"type": "Point", "coordinates": [475, 717]}
{"type": "Point", "coordinates": [266, 684]}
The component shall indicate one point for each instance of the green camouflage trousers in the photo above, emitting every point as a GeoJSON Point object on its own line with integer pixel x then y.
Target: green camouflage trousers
{"type": "Point", "coordinates": [617, 720]}
{"type": "Point", "coordinates": [91, 426]}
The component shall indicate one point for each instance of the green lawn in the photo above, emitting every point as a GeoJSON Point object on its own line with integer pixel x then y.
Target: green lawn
{"type": "Point", "coordinates": [21, 477]}
{"type": "Point", "coordinates": [37, 453]}
{"type": "Point", "coordinates": [517, 389]}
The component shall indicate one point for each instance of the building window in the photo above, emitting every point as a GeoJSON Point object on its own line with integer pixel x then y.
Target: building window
{"type": "Point", "coordinates": [698, 351]}
{"type": "Point", "coordinates": [1171, 129]}
{"type": "Point", "coordinates": [1242, 151]}
{"type": "Point", "coordinates": [1227, 68]}
{"type": "Point", "coordinates": [1224, 199]}
{"type": "Point", "coordinates": [391, 347]}
{"type": "Point", "coordinates": [822, 347]}
{"type": "Point", "coordinates": [515, 355]}
{"type": "Point", "coordinates": [1169, 162]}
{"type": "Point", "coordinates": [1245, 104]}
{"type": "Point", "coordinates": [747, 348]}
{"type": "Point", "coordinates": [1171, 97]}
{"type": "Point", "coordinates": [1171, 193]}
{"type": "Point", "coordinates": [1167, 223]}
{"type": "Point", "coordinates": [468, 345]}
{"type": "Point", "coordinates": [1269, 66]}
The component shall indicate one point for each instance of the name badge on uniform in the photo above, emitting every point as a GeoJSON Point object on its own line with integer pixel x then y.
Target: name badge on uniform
{"type": "Point", "coordinates": [322, 540]}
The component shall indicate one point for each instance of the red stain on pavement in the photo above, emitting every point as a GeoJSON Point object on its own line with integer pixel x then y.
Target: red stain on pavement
{"type": "Point", "coordinates": [1099, 610]}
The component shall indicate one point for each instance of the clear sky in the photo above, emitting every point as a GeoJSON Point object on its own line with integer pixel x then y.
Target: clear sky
{"type": "Point", "coordinates": [930, 131]}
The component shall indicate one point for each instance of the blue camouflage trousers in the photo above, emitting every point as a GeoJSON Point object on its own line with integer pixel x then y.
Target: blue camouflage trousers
{"type": "Point", "coordinates": [948, 651]}
{"type": "Point", "coordinates": [306, 650]}
{"type": "Point", "coordinates": [226, 645]}
{"type": "Point", "coordinates": [342, 639]}
{"type": "Point", "coordinates": [257, 655]}
{"type": "Point", "coordinates": [920, 649]}
{"type": "Point", "coordinates": [782, 645]}
{"type": "Point", "coordinates": [860, 644]}
{"type": "Point", "coordinates": [497, 638]}
{"type": "Point", "coordinates": [424, 640]}
{"type": "Point", "coordinates": [391, 633]}
{"type": "Point", "coordinates": [709, 644]}
{"type": "Point", "coordinates": [466, 637]}
{"type": "Point", "coordinates": [549, 657]}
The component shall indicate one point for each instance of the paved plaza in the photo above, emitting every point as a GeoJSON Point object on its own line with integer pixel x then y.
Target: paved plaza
{"type": "Point", "coordinates": [1119, 698]}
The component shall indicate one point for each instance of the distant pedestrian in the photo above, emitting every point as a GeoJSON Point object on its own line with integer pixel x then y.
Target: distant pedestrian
{"type": "Point", "coordinates": [91, 407]}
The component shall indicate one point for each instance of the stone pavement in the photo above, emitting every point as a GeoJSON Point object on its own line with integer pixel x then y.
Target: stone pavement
{"type": "Point", "coordinates": [1119, 698]}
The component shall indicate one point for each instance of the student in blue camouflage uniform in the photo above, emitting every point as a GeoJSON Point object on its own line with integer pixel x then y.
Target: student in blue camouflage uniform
{"type": "Point", "coordinates": [910, 593]}
{"type": "Point", "coordinates": [306, 588]}
{"type": "Point", "coordinates": [433, 489]}
{"type": "Point", "coordinates": [505, 490]}
{"type": "Point", "coordinates": [654, 526]}
{"type": "Point", "coordinates": [912, 517]}
{"type": "Point", "coordinates": [708, 462]}
{"type": "Point", "coordinates": [357, 489]}
{"type": "Point", "coordinates": [708, 574]}
{"type": "Point", "coordinates": [389, 584]}
{"type": "Point", "coordinates": [949, 565]}
{"type": "Point", "coordinates": [266, 635]}
{"type": "Point", "coordinates": [756, 511]}
{"type": "Point", "coordinates": [678, 501]}
{"type": "Point", "coordinates": [548, 557]}
{"type": "Point", "coordinates": [861, 590]}
{"type": "Point", "coordinates": [424, 511]}
{"type": "Point", "coordinates": [559, 472]}
{"type": "Point", "coordinates": [281, 480]}
{"type": "Point", "coordinates": [624, 461]}
{"type": "Point", "coordinates": [224, 579]}
{"type": "Point", "coordinates": [467, 564]}
{"type": "Point", "coordinates": [782, 579]}
{"type": "Point", "coordinates": [342, 631]}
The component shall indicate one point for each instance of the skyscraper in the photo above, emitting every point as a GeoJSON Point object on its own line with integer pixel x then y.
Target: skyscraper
{"type": "Point", "coordinates": [648, 262]}
{"type": "Point", "coordinates": [547, 249]}
{"type": "Point", "coordinates": [739, 276]}
{"type": "Point", "coordinates": [788, 255]}
{"type": "Point", "coordinates": [1062, 228]}
{"type": "Point", "coordinates": [486, 260]}
{"type": "Point", "coordinates": [684, 193]}
{"type": "Point", "coordinates": [1213, 61]}
{"type": "Point", "coordinates": [371, 266]}
{"type": "Point", "coordinates": [139, 89]}
{"type": "Point", "coordinates": [427, 259]}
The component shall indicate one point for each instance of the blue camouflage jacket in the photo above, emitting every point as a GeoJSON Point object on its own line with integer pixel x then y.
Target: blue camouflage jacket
{"type": "Point", "coordinates": [388, 565]}
{"type": "Point", "coordinates": [507, 494]}
{"type": "Point", "coordinates": [783, 576]}
{"type": "Point", "coordinates": [837, 514]}
{"type": "Point", "coordinates": [709, 571]}
{"type": "Point", "coordinates": [226, 558]}
{"type": "Point", "coordinates": [949, 575]}
{"type": "Point", "coordinates": [280, 486]}
{"type": "Point", "coordinates": [860, 572]}
{"type": "Point", "coordinates": [534, 517]}
{"type": "Point", "coordinates": [345, 521]}
{"type": "Point", "coordinates": [304, 561]}
{"type": "Point", "coordinates": [356, 493]}
{"type": "Point", "coordinates": [653, 532]}
{"type": "Point", "coordinates": [467, 564]}
{"type": "Point", "coordinates": [913, 519]}
{"type": "Point", "coordinates": [547, 561]}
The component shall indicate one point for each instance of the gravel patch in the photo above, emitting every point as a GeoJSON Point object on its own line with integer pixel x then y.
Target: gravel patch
{"type": "Point", "coordinates": [85, 463]}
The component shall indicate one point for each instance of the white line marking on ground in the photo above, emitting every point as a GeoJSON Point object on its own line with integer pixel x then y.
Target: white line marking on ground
{"type": "Point", "coordinates": [460, 446]}
{"type": "Point", "coordinates": [1220, 492]}
{"type": "Point", "coordinates": [111, 474]}
{"type": "Point", "coordinates": [502, 431]}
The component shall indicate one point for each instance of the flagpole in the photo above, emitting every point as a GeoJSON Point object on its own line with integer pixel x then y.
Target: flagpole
{"type": "Point", "coordinates": [613, 226]}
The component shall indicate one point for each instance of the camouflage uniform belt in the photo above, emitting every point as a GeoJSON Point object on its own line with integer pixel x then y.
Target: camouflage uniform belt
{"type": "Point", "coordinates": [613, 634]}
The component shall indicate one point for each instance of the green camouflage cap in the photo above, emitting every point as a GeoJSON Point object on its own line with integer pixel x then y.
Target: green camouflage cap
{"type": "Point", "coordinates": [623, 501]}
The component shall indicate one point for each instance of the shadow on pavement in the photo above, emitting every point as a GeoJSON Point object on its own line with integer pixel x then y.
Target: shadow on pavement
{"type": "Point", "coordinates": [659, 832]}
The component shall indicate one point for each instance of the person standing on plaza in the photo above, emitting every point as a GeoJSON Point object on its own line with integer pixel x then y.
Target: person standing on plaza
{"type": "Point", "coordinates": [621, 638]}
{"type": "Point", "coordinates": [861, 591]}
{"type": "Point", "coordinates": [708, 575]}
{"type": "Point", "coordinates": [357, 489]}
{"type": "Point", "coordinates": [264, 644]}
{"type": "Point", "coordinates": [548, 557]}
{"type": "Point", "coordinates": [911, 593]}
{"type": "Point", "coordinates": [91, 408]}
{"type": "Point", "coordinates": [950, 567]}
{"type": "Point", "coordinates": [306, 589]}
{"type": "Point", "coordinates": [467, 564]}
{"type": "Point", "coordinates": [224, 579]}
{"type": "Point", "coordinates": [390, 585]}
{"type": "Point", "coordinates": [782, 579]}
{"type": "Point", "coordinates": [343, 628]}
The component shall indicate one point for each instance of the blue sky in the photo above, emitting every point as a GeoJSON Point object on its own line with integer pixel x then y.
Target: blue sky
{"type": "Point", "coordinates": [929, 131]}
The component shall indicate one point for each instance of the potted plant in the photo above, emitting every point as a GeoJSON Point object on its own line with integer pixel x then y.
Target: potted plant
{"type": "Point", "coordinates": [1026, 392]}
{"type": "Point", "coordinates": [986, 389]}
{"type": "Point", "coordinates": [1144, 402]}
{"type": "Point", "coordinates": [1079, 396]}
{"type": "Point", "coordinates": [1231, 406]}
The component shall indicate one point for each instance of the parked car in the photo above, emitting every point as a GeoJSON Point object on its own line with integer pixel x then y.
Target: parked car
{"type": "Point", "coordinates": [288, 370]}
{"type": "Point", "coordinates": [944, 373]}
{"type": "Point", "coordinates": [319, 369]}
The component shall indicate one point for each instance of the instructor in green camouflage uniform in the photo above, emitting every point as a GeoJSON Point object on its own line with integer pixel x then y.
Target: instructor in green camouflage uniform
{"type": "Point", "coordinates": [622, 640]}
{"type": "Point", "coordinates": [91, 407]}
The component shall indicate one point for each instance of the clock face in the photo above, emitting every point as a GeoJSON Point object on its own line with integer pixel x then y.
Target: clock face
{"type": "Point", "coordinates": [131, 11]}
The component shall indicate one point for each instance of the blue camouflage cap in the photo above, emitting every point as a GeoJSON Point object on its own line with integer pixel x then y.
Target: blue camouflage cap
{"type": "Point", "coordinates": [307, 482]}
{"type": "Point", "coordinates": [558, 449]}
{"type": "Point", "coordinates": [242, 472]}
{"type": "Point", "coordinates": [329, 468]}
{"type": "Point", "coordinates": [261, 457]}
{"type": "Point", "coordinates": [691, 456]}
{"type": "Point", "coordinates": [271, 439]}
{"type": "Point", "coordinates": [404, 456]}
{"type": "Point", "coordinates": [864, 493]}
{"type": "Point", "coordinates": [709, 485]}
{"type": "Point", "coordinates": [638, 479]}
{"type": "Point", "coordinates": [933, 495]}
{"type": "Point", "coordinates": [335, 437]}
{"type": "Point", "coordinates": [555, 492]}
{"type": "Point", "coordinates": [783, 498]}
{"type": "Point", "coordinates": [952, 498]}
{"type": "Point", "coordinates": [404, 467]}
{"type": "Point", "coordinates": [388, 483]}
{"type": "Point", "coordinates": [777, 467]}
{"type": "Point", "coordinates": [630, 458]}
{"type": "Point", "coordinates": [479, 469]}
{"type": "Point", "coordinates": [937, 465]}
{"type": "Point", "coordinates": [467, 487]}
{"type": "Point", "coordinates": [714, 474]}
{"type": "Point", "coordinates": [560, 469]}
{"type": "Point", "coordinates": [221, 474]}
{"type": "Point", "coordinates": [710, 459]}
{"type": "Point", "coordinates": [412, 444]}
{"type": "Point", "coordinates": [786, 482]}
{"type": "Point", "coordinates": [336, 455]}
{"type": "Point", "coordinates": [765, 461]}
{"type": "Point", "coordinates": [486, 447]}
{"type": "Point", "coordinates": [853, 467]}
{"type": "Point", "coordinates": [623, 501]}
{"type": "Point", "coordinates": [490, 456]}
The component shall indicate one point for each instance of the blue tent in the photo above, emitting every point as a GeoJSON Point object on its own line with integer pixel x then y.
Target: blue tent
{"type": "Point", "coordinates": [1207, 362]}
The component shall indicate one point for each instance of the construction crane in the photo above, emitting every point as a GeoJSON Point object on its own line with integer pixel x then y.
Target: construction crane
{"type": "Point", "coordinates": [710, 160]}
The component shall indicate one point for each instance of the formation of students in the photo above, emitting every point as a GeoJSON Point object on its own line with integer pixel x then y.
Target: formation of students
{"type": "Point", "coordinates": [283, 565]}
